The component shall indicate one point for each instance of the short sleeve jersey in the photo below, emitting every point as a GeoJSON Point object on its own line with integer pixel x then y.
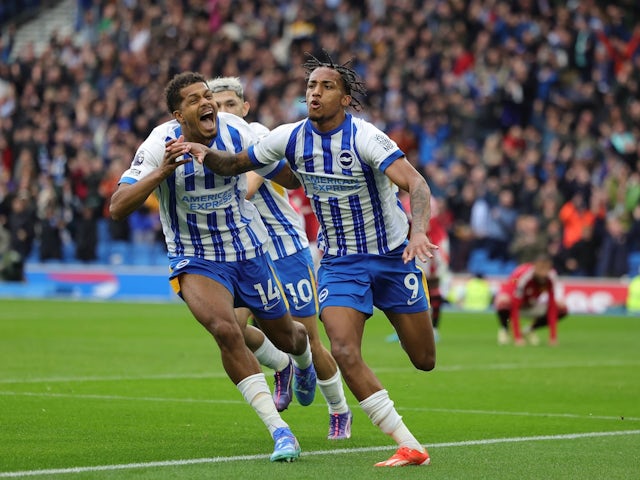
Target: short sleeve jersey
{"type": "Point", "coordinates": [283, 223]}
{"type": "Point", "coordinates": [342, 172]}
{"type": "Point", "coordinates": [203, 214]}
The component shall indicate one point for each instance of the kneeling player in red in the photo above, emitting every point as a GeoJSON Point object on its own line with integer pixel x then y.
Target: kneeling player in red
{"type": "Point", "coordinates": [530, 291]}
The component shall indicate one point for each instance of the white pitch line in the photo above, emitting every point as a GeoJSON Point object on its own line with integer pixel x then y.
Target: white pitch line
{"type": "Point", "coordinates": [120, 397]}
{"type": "Point", "coordinates": [221, 374]}
{"type": "Point", "coordinates": [116, 378]}
{"type": "Point", "coordinates": [525, 414]}
{"type": "Point", "coordinates": [242, 402]}
{"type": "Point", "coordinates": [195, 461]}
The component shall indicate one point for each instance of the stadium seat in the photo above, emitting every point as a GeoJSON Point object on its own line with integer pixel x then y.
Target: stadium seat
{"type": "Point", "coordinates": [34, 255]}
{"type": "Point", "coordinates": [492, 267]}
{"type": "Point", "coordinates": [119, 253]}
{"type": "Point", "coordinates": [509, 266]}
{"type": "Point", "coordinates": [634, 264]}
{"type": "Point", "coordinates": [477, 260]}
{"type": "Point", "coordinates": [69, 252]}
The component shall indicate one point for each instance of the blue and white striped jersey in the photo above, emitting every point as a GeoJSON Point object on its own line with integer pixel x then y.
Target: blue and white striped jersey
{"type": "Point", "coordinates": [203, 214]}
{"type": "Point", "coordinates": [342, 172]}
{"type": "Point", "coordinates": [284, 224]}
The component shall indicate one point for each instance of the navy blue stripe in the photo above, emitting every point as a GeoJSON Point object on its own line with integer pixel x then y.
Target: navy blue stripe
{"type": "Point", "coordinates": [358, 224]}
{"type": "Point", "coordinates": [216, 238]}
{"type": "Point", "coordinates": [241, 254]}
{"type": "Point", "coordinates": [280, 217]}
{"type": "Point", "coordinates": [317, 208]}
{"type": "Point", "coordinates": [290, 150]}
{"type": "Point", "coordinates": [173, 214]}
{"type": "Point", "coordinates": [255, 241]}
{"type": "Point", "coordinates": [196, 240]}
{"type": "Point", "coordinates": [336, 219]}
{"type": "Point", "coordinates": [235, 138]}
{"type": "Point", "coordinates": [307, 152]}
{"type": "Point", "coordinates": [189, 177]}
{"type": "Point", "coordinates": [327, 155]}
{"type": "Point", "coordinates": [376, 204]}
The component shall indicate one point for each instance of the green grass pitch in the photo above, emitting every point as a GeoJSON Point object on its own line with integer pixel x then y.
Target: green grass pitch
{"type": "Point", "coordinates": [137, 391]}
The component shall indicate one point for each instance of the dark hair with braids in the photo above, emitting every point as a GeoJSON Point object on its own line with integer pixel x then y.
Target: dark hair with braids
{"type": "Point", "coordinates": [177, 83]}
{"type": "Point", "coordinates": [350, 79]}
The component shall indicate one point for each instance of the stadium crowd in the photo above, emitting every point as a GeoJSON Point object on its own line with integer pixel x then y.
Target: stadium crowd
{"type": "Point", "coordinates": [523, 116]}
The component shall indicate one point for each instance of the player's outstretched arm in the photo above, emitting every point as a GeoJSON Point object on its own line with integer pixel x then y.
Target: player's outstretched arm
{"type": "Point", "coordinates": [227, 163]}
{"type": "Point", "coordinates": [218, 161]}
{"type": "Point", "coordinates": [403, 174]}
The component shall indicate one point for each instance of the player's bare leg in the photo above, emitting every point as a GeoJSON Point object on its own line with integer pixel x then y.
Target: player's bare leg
{"type": "Point", "coordinates": [345, 327]}
{"type": "Point", "coordinates": [415, 332]}
{"type": "Point", "coordinates": [212, 305]}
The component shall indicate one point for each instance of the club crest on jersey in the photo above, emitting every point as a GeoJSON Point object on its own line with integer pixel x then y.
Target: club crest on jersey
{"type": "Point", "coordinates": [139, 158]}
{"type": "Point", "coordinates": [346, 160]}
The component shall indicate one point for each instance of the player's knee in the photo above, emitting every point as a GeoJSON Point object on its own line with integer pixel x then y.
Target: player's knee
{"type": "Point", "coordinates": [425, 361]}
{"type": "Point", "coordinates": [292, 340]}
{"type": "Point", "coordinates": [346, 355]}
{"type": "Point", "coordinates": [225, 333]}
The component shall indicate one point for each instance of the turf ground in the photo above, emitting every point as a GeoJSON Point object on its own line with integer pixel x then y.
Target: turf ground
{"type": "Point", "coordinates": [120, 391]}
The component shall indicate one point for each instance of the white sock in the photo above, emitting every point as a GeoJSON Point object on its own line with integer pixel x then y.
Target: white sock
{"type": "Point", "coordinates": [269, 356]}
{"type": "Point", "coordinates": [382, 413]}
{"type": "Point", "coordinates": [304, 360]}
{"type": "Point", "coordinates": [256, 392]}
{"type": "Point", "coordinates": [333, 393]}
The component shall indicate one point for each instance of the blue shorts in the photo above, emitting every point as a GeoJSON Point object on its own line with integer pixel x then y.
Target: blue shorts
{"type": "Point", "coordinates": [362, 281]}
{"type": "Point", "coordinates": [252, 283]}
{"type": "Point", "coordinates": [297, 275]}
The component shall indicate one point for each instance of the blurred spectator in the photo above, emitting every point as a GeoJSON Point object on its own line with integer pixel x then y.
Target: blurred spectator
{"type": "Point", "coordinates": [51, 224]}
{"type": "Point", "coordinates": [575, 216]}
{"type": "Point", "coordinates": [541, 98]}
{"type": "Point", "coordinates": [528, 241]}
{"type": "Point", "coordinates": [118, 230]}
{"type": "Point", "coordinates": [612, 260]}
{"type": "Point", "coordinates": [634, 230]}
{"type": "Point", "coordinates": [579, 259]}
{"type": "Point", "coordinates": [11, 262]}
{"type": "Point", "coordinates": [21, 222]}
{"type": "Point", "coordinates": [431, 141]}
{"type": "Point", "coordinates": [86, 234]}
{"type": "Point", "coordinates": [501, 226]}
{"type": "Point", "coordinates": [50, 233]}
{"type": "Point", "coordinates": [461, 237]}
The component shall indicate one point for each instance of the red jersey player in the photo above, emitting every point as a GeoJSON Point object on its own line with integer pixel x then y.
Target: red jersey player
{"type": "Point", "coordinates": [437, 268]}
{"type": "Point", "coordinates": [530, 291]}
